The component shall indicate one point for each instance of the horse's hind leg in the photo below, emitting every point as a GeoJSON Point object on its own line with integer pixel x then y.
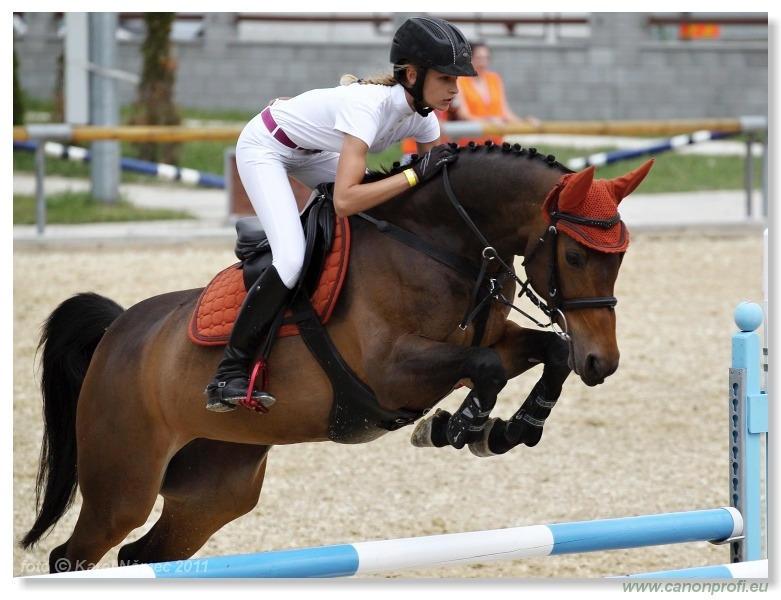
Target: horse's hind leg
{"type": "Point", "coordinates": [104, 521]}
{"type": "Point", "coordinates": [119, 482]}
{"type": "Point", "coordinates": [207, 485]}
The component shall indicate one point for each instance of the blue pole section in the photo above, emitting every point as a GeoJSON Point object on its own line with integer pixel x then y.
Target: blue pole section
{"type": "Point", "coordinates": [363, 558]}
{"type": "Point", "coordinates": [748, 421]}
{"type": "Point", "coordinates": [145, 167]}
{"type": "Point", "coordinates": [651, 530]}
{"type": "Point", "coordinates": [606, 158]}
{"type": "Point", "coordinates": [325, 561]}
{"type": "Point", "coordinates": [745, 570]}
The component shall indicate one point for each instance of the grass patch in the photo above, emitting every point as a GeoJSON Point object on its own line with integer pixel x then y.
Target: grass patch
{"type": "Point", "coordinates": [674, 172]}
{"type": "Point", "coordinates": [70, 208]}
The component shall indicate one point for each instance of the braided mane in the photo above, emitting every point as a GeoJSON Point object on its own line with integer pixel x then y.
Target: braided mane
{"type": "Point", "coordinates": [472, 147]}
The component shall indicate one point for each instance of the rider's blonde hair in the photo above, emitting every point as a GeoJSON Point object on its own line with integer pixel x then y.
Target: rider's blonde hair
{"type": "Point", "coordinates": [387, 78]}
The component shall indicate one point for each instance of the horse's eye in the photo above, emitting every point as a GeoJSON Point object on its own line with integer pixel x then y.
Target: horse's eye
{"type": "Point", "coordinates": [574, 259]}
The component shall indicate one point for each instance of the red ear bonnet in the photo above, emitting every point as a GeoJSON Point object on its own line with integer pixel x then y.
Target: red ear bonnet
{"type": "Point", "coordinates": [587, 209]}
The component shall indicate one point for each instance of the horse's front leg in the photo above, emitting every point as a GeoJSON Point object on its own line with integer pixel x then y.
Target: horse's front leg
{"type": "Point", "coordinates": [430, 370]}
{"type": "Point", "coordinates": [521, 349]}
{"type": "Point", "coordinates": [466, 425]}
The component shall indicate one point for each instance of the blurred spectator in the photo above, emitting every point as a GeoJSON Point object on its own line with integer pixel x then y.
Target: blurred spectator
{"type": "Point", "coordinates": [482, 98]}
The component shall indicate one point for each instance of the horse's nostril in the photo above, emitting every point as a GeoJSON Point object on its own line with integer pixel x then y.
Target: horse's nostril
{"type": "Point", "coordinates": [593, 365]}
{"type": "Point", "coordinates": [598, 369]}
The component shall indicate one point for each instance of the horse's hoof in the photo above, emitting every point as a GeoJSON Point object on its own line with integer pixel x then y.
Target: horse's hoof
{"type": "Point", "coordinates": [428, 433]}
{"type": "Point", "coordinates": [421, 435]}
{"type": "Point", "coordinates": [480, 448]}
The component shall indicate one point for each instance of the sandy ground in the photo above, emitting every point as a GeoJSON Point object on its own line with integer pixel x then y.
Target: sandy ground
{"type": "Point", "coordinates": [652, 439]}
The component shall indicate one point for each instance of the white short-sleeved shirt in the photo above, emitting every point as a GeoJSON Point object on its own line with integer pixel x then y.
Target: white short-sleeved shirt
{"type": "Point", "coordinates": [376, 114]}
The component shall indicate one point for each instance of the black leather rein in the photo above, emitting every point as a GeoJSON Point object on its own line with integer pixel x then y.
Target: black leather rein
{"type": "Point", "coordinates": [492, 284]}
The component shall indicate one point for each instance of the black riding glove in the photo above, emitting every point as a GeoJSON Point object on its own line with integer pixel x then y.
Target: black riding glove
{"type": "Point", "coordinates": [433, 161]}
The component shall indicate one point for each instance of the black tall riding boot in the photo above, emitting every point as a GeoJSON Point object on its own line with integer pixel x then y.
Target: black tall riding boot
{"type": "Point", "coordinates": [262, 304]}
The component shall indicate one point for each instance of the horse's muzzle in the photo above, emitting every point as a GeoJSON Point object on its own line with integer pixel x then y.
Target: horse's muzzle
{"type": "Point", "coordinates": [594, 368]}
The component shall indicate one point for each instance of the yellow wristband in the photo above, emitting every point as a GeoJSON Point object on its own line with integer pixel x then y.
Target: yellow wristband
{"type": "Point", "coordinates": [411, 177]}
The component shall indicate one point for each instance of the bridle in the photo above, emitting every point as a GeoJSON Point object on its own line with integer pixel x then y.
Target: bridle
{"type": "Point", "coordinates": [558, 304]}
{"type": "Point", "coordinates": [491, 283]}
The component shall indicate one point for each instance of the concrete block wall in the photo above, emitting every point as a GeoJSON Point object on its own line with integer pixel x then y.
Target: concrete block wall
{"type": "Point", "coordinates": [616, 73]}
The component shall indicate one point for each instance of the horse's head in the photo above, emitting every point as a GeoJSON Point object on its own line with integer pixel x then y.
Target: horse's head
{"type": "Point", "coordinates": [576, 272]}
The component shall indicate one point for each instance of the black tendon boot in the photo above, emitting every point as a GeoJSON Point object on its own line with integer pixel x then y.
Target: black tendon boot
{"type": "Point", "coordinates": [263, 302]}
{"type": "Point", "coordinates": [467, 423]}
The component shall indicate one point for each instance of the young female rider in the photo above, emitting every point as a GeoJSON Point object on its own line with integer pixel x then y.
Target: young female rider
{"type": "Point", "coordinates": [325, 135]}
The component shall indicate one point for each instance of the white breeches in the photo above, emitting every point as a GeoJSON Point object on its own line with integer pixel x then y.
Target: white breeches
{"type": "Point", "coordinates": [264, 165]}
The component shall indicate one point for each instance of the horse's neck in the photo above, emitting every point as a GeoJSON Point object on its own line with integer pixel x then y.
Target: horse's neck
{"type": "Point", "coordinates": [501, 196]}
{"type": "Point", "coordinates": [506, 205]}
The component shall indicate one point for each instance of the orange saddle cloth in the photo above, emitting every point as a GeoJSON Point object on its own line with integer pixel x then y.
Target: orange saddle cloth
{"type": "Point", "coordinates": [216, 309]}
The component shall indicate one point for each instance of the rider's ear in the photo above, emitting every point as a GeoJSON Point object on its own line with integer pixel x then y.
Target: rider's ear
{"type": "Point", "coordinates": [411, 75]}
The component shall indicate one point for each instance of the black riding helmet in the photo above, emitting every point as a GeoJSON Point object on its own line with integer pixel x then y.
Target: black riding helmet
{"type": "Point", "coordinates": [430, 43]}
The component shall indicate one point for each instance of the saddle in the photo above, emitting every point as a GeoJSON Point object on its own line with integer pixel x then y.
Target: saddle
{"type": "Point", "coordinates": [356, 416]}
{"type": "Point", "coordinates": [325, 268]}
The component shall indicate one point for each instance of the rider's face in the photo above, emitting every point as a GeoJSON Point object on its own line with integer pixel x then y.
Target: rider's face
{"type": "Point", "coordinates": [439, 89]}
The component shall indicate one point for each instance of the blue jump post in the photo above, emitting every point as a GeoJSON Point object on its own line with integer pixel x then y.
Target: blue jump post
{"type": "Point", "coordinates": [748, 421]}
{"type": "Point", "coordinates": [748, 416]}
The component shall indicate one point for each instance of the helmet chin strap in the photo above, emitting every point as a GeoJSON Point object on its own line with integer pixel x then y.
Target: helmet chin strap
{"type": "Point", "coordinates": [416, 91]}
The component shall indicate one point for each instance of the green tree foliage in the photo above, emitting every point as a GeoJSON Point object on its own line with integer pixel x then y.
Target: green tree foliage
{"type": "Point", "coordinates": [18, 94]}
{"type": "Point", "coordinates": [154, 104]}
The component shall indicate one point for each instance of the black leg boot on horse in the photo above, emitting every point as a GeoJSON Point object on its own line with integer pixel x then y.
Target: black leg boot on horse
{"type": "Point", "coordinates": [230, 384]}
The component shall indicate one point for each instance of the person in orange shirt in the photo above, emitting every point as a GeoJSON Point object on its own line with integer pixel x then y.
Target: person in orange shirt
{"type": "Point", "coordinates": [482, 98]}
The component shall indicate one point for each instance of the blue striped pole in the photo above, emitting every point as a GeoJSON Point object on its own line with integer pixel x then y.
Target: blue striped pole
{"type": "Point", "coordinates": [756, 569]}
{"type": "Point", "coordinates": [365, 558]}
{"type": "Point", "coordinates": [605, 158]}
{"type": "Point", "coordinates": [159, 170]}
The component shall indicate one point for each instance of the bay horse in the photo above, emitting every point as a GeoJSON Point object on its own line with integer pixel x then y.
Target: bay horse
{"type": "Point", "coordinates": [424, 308]}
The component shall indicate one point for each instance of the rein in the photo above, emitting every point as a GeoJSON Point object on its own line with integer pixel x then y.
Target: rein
{"type": "Point", "coordinates": [493, 283]}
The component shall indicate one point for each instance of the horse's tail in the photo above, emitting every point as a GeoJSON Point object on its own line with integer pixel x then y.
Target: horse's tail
{"type": "Point", "coordinates": [68, 340]}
